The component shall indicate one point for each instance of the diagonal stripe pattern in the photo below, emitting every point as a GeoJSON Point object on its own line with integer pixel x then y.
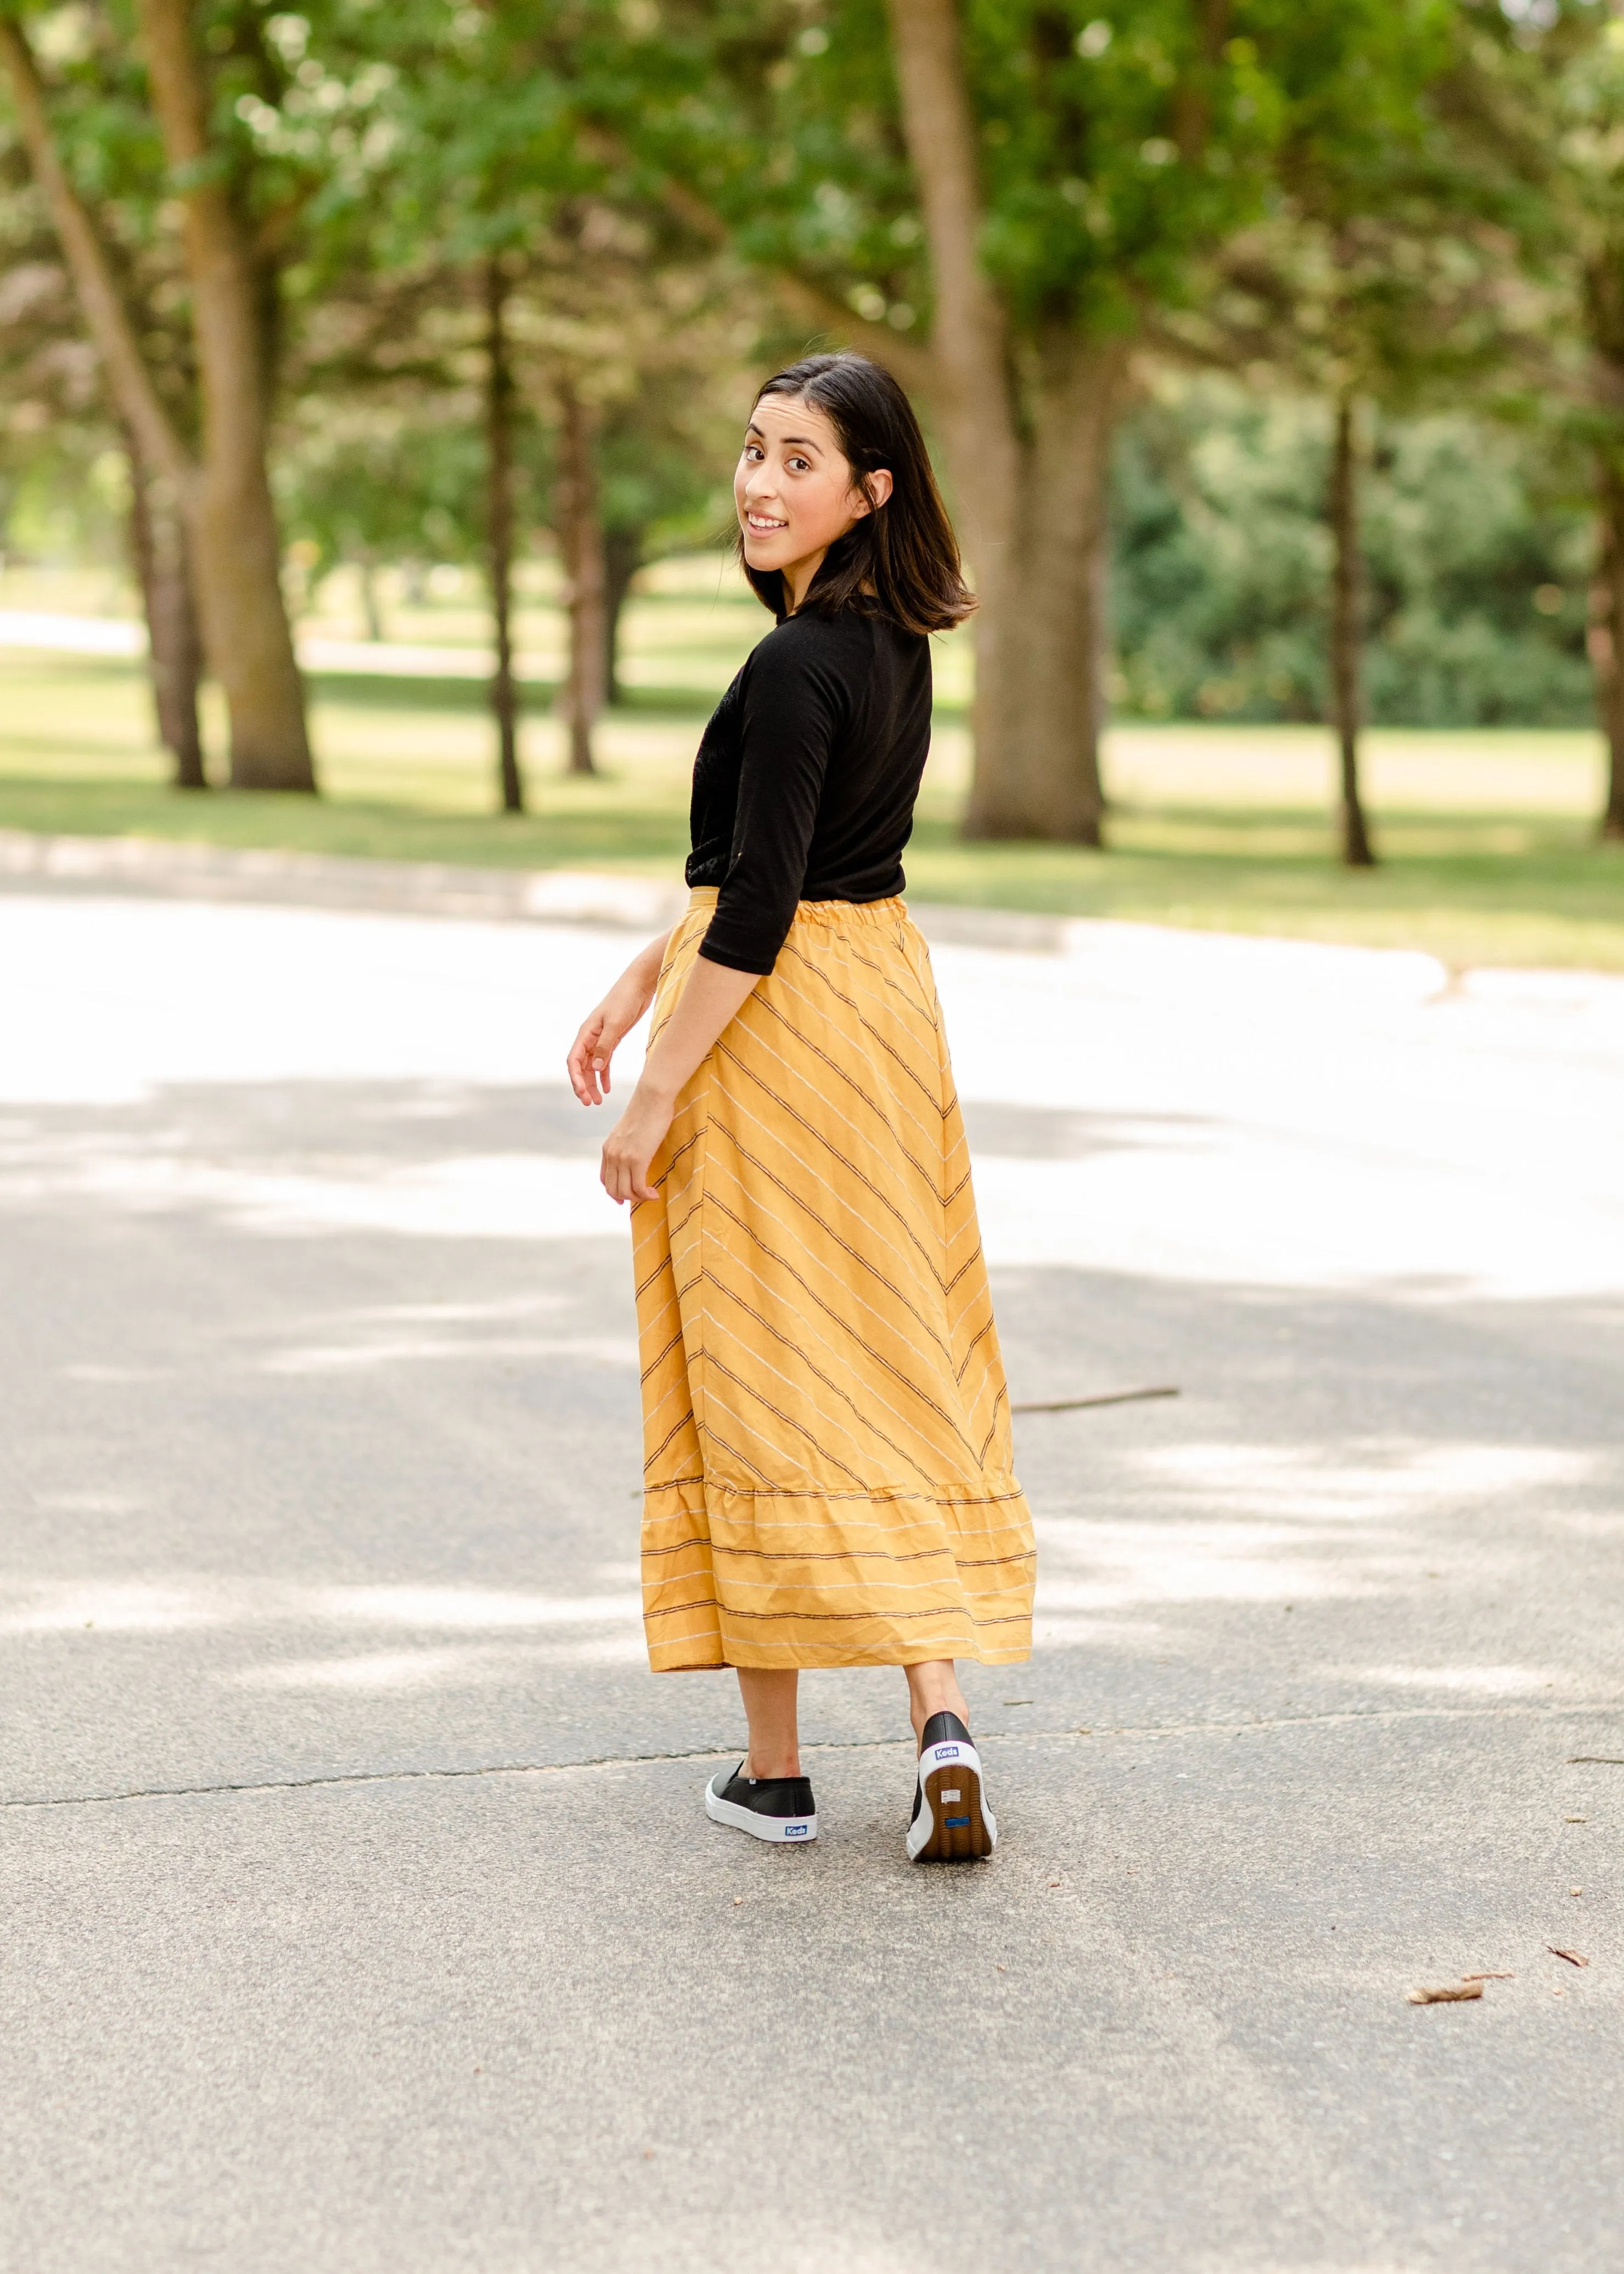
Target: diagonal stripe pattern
{"type": "Point", "coordinates": [828, 1472]}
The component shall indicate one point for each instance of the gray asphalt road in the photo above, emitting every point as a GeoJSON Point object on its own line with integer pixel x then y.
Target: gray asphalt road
{"type": "Point", "coordinates": [360, 1909]}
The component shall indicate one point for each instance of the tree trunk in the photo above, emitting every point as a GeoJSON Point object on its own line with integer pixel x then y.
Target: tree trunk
{"type": "Point", "coordinates": [578, 515]}
{"type": "Point", "coordinates": [366, 571]}
{"type": "Point", "coordinates": [1100, 623]}
{"type": "Point", "coordinates": [1029, 468]}
{"type": "Point", "coordinates": [124, 369]}
{"type": "Point", "coordinates": [499, 393]}
{"type": "Point", "coordinates": [235, 549]}
{"type": "Point", "coordinates": [1039, 636]}
{"type": "Point", "coordinates": [163, 480]}
{"type": "Point", "coordinates": [1606, 640]}
{"type": "Point", "coordinates": [1346, 588]}
{"type": "Point", "coordinates": [623, 558]}
{"type": "Point", "coordinates": [174, 657]}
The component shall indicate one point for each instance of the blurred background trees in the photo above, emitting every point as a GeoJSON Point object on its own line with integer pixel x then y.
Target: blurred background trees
{"type": "Point", "coordinates": [1274, 353]}
{"type": "Point", "coordinates": [1475, 560]}
{"type": "Point", "coordinates": [88, 147]}
{"type": "Point", "coordinates": [1560, 113]}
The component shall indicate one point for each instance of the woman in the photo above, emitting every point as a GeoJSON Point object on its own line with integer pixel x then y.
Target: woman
{"type": "Point", "coordinates": [828, 1478]}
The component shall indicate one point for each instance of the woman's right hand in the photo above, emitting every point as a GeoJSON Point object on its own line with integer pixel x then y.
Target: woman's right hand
{"type": "Point", "coordinates": [600, 1035]}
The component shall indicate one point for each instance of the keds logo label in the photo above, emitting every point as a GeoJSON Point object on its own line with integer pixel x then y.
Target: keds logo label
{"type": "Point", "coordinates": [795, 1832]}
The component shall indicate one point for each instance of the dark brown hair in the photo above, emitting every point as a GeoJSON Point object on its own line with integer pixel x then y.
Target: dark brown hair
{"type": "Point", "coordinates": [901, 559]}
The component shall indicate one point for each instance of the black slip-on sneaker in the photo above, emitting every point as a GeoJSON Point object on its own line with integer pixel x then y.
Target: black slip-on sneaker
{"type": "Point", "coordinates": [951, 1822]}
{"type": "Point", "coordinates": [768, 1808]}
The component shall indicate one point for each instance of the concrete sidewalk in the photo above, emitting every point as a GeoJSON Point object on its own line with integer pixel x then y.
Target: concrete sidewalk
{"type": "Point", "coordinates": [361, 1911]}
{"type": "Point", "coordinates": [173, 868]}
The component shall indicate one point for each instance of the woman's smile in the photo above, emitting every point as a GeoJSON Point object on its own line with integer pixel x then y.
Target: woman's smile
{"type": "Point", "coordinates": [792, 452]}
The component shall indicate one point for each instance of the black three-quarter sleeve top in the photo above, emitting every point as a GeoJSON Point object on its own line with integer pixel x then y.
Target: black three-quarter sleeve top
{"type": "Point", "coordinates": [806, 776]}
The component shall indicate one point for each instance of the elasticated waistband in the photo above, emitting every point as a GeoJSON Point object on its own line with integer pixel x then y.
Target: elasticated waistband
{"type": "Point", "coordinates": [824, 912]}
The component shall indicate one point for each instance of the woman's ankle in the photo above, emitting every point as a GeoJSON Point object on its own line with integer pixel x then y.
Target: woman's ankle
{"type": "Point", "coordinates": [767, 1766]}
{"type": "Point", "coordinates": [767, 1695]}
{"type": "Point", "coordinates": [934, 1690]}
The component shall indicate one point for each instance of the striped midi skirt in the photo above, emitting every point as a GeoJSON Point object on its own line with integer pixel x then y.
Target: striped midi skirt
{"type": "Point", "coordinates": [828, 1476]}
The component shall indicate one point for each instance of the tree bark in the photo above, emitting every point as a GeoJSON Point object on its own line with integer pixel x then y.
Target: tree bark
{"type": "Point", "coordinates": [623, 558]}
{"type": "Point", "coordinates": [175, 652]}
{"type": "Point", "coordinates": [235, 548]}
{"type": "Point", "coordinates": [499, 400]}
{"type": "Point", "coordinates": [1036, 737]}
{"type": "Point", "coordinates": [366, 572]}
{"type": "Point", "coordinates": [1606, 640]}
{"type": "Point", "coordinates": [129, 382]}
{"type": "Point", "coordinates": [1041, 634]}
{"type": "Point", "coordinates": [1029, 465]}
{"type": "Point", "coordinates": [1345, 630]}
{"type": "Point", "coordinates": [163, 479]}
{"type": "Point", "coordinates": [969, 337]}
{"type": "Point", "coordinates": [578, 516]}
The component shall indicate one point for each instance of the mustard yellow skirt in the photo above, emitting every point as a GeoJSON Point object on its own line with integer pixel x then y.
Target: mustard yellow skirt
{"type": "Point", "coordinates": [828, 1478]}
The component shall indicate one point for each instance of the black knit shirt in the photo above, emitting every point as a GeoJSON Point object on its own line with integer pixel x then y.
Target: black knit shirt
{"type": "Point", "coordinates": [806, 779]}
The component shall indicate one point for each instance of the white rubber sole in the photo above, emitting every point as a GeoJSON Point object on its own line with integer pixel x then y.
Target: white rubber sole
{"type": "Point", "coordinates": [954, 1824]}
{"type": "Point", "coordinates": [782, 1830]}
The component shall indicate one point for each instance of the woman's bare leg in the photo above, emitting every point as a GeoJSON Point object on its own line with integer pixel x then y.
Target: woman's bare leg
{"type": "Point", "coordinates": [768, 1695]}
{"type": "Point", "coordinates": [933, 1688]}
{"type": "Point", "coordinates": [951, 1822]}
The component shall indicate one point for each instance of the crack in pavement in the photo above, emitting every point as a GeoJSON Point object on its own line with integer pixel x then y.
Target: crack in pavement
{"type": "Point", "coordinates": [1260, 1725]}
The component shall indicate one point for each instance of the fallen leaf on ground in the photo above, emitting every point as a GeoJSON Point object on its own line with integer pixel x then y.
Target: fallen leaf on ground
{"type": "Point", "coordinates": [1488, 1977]}
{"type": "Point", "coordinates": [1572, 1956]}
{"type": "Point", "coordinates": [1448, 1995]}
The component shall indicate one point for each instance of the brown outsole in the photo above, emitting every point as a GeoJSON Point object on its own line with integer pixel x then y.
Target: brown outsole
{"type": "Point", "coordinates": [951, 1841]}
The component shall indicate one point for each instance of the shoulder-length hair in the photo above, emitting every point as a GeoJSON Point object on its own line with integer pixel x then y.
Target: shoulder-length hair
{"type": "Point", "coordinates": [901, 559]}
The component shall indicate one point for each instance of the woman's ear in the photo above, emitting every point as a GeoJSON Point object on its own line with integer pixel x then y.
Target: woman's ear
{"type": "Point", "coordinates": [872, 490]}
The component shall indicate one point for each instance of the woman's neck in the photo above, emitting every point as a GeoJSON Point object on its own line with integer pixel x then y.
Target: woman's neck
{"type": "Point", "coordinates": [798, 577]}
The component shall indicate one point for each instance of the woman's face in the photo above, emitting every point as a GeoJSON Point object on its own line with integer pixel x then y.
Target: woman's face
{"type": "Point", "coordinates": [794, 490]}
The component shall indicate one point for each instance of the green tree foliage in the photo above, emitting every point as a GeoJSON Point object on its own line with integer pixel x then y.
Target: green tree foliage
{"type": "Point", "coordinates": [54, 428]}
{"type": "Point", "coordinates": [1411, 211]}
{"type": "Point", "coordinates": [1476, 569]}
{"type": "Point", "coordinates": [371, 482]}
{"type": "Point", "coordinates": [99, 266]}
{"type": "Point", "coordinates": [109, 145]}
{"type": "Point", "coordinates": [1550, 82]}
{"type": "Point", "coordinates": [499, 290]}
{"type": "Point", "coordinates": [1004, 202]}
{"type": "Point", "coordinates": [1373, 278]}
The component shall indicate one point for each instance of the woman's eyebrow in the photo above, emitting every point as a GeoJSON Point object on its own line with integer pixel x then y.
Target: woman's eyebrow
{"type": "Point", "coordinates": [790, 441]}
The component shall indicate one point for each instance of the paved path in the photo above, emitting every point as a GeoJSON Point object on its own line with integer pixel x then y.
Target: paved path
{"type": "Point", "coordinates": [359, 1911]}
{"type": "Point", "coordinates": [43, 631]}
{"type": "Point", "coordinates": [54, 632]}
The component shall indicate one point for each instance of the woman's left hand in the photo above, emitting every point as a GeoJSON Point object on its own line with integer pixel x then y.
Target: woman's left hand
{"type": "Point", "coordinates": [711, 995]}
{"type": "Point", "coordinates": [631, 1144]}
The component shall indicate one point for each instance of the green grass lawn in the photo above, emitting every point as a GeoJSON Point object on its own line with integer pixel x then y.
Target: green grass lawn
{"type": "Point", "coordinates": [1487, 838]}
